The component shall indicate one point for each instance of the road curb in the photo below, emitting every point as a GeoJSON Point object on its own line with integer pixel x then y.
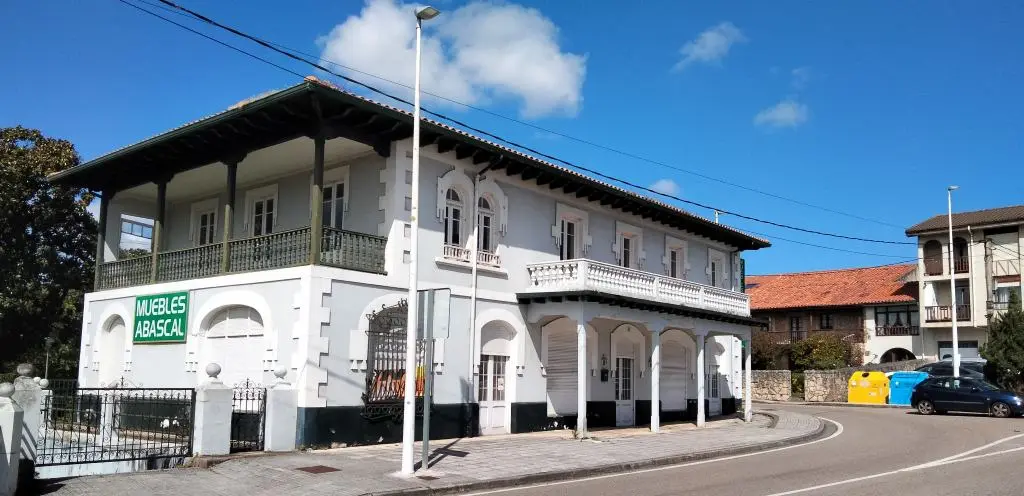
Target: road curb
{"type": "Point", "coordinates": [832, 404]}
{"type": "Point", "coordinates": [612, 468]}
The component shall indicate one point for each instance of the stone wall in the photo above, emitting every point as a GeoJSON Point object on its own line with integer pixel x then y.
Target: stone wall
{"type": "Point", "coordinates": [771, 385]}
{"type": "Point", "coordinates": [831, 385]}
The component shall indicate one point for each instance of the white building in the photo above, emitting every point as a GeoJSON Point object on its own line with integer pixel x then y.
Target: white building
{"type": "Point", "coordinates": [562, 306]}
{"type": "Point", "coordinates": [986, 269]}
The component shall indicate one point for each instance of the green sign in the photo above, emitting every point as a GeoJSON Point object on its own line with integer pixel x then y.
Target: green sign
{"type": "Point", "coordinates": [161, 318]}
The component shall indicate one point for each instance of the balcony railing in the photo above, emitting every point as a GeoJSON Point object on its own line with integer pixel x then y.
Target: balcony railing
{"type": "Point", "coordinates": [894, 330]}
{"type": "Point", "coordinates": [961, 265]}
{"type": "Point", "coordinates": [588, 275]}
{"type": "Point", "coordinates": [485, 258]}
{"type": "Point", "coordinates": [456, 253]}
{"type": "Point", "coordinates": [933, 266]}
{"type": "Point", "coordinates": [1005, 267]}
{"type": "Point", "coordinates": [339, 248]}
{"type": "Point", "coordinates": [944, 313]}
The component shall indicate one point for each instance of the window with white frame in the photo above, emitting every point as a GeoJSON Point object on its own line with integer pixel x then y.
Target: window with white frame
{"type": "Point", "coordinates": [717, 270]}
{"type": "Point", "coordinates": [453, 218]}
{"type": "Point", "coordinates": [628, 245]}
{"type": "Point", "coordinates": [571, 232]}
{"type": "Point", "coordinates": [334, 205]}
{"type": "Point", "coordinates": [675, 260]}
{"type": "Point", "coordinates": [204, 222]}
{"type": "Point", "coordinates": [262, 210]}
{"type": "Point", "coordinates": [485, 226]}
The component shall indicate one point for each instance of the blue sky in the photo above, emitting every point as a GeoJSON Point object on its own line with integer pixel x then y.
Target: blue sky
{"type": "Point", "coordinates": [870, 108]}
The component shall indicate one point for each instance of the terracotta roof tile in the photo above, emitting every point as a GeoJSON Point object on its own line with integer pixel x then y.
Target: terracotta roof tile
{"type": "Point", "coordinates": [832, 288]}
{"type": "Point", "coordinates": [975, 218]}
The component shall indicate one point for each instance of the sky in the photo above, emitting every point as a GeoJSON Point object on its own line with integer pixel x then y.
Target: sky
{"type": "Point", "coordinates": [867, 108]}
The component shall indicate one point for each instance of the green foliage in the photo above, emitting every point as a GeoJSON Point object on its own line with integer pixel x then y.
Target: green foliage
{"type": "Point", "coordinates": [764, 351]}
{"type": "Point", "coordinates": [820, 352]}
{"type": "Point", "coordinates": [126, 253]}
{"type": "Point", "coordinates": [797, 384]}
{"type": "Point", "coordinates": [47, 252]}
{"type": "Point", "coordinates": [1005, 347]}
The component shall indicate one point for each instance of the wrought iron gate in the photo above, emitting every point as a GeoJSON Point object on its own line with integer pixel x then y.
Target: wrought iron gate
{"type": "Point", "coordinates": [95, 425]}
{"type": "Point", "coordinates": [385, 364]}
{"type": "Point", "coordinates": [248, 416]}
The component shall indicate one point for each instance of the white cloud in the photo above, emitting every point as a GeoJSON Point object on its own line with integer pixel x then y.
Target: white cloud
{"type": "Point", "coordinates": [665, 186]}
{"type": "Point", "coordinates": [94, 208]}
{"type": "Point", "coordinates": [787, 113]}
{"type": "Point", "coordinates": [800, 77]}
{"type": "Point", "coordinates": [478, 53]}
{"type": "Point", "coordinates": [710, 46]}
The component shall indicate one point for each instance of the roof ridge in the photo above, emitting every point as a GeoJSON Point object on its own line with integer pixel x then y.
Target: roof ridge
{"type": "Point", "coordinates": [827, 271]}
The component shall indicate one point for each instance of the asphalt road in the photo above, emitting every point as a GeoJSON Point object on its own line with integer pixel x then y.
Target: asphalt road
{"type": "Point", "coordinates": [874, 452]}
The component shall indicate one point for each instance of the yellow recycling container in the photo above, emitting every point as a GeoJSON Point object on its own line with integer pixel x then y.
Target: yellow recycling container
{"type": "Point", "coordinates": [868, 387]}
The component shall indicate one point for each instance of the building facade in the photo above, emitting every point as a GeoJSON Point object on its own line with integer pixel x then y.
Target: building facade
{"type": "Point", "coordinates": [573, 302]}
{"type": "Point", "coordinates": [874, 309]}
{"type": "Point", "coordinates": [985, 270]}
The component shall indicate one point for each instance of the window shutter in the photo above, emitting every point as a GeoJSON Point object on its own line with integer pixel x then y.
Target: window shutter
{"type": "Point", "coordinates": [674, 375]}
{"type": "Point", "coordinates": [561, 372]}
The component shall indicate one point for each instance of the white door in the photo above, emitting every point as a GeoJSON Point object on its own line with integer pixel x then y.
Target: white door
{"type": "Point", "coordinates": [624, 404]}
{"type": "Point", "coordinates": [491, 390]}
{"type": "Point", "coordinates": [714, 382]}
{"type": "Point", "coordinates": [675, 374]}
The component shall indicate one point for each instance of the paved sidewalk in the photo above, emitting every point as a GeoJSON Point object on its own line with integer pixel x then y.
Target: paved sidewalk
{"type": "Point", "coordinates": [462, 464]}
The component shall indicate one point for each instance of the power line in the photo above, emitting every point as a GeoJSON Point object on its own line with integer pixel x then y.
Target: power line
{"type": "Point", "coordinates": [457, 122]}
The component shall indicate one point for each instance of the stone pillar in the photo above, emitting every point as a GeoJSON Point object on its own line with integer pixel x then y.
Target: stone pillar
{"type": "Point", "coordinates": [701, 341]}
{"type": "Point", "coordinates": [656, 380]}
{"type": "Point", "coordinates": [29, 396]}
{"type": "Point", "coordinates": [11, 419]}
{"type": "Point", "coordinates": [316, 200]}
{"type": "Point", "coordinates": [581, 379]}
{"type": "Point", "coordinates": [229, 212]}
{"type": "Point", "coordinates": [748, 390]}
{"type": "Point", "coordinates": [212, 416]}
{"type": "Point", "coordinates": [282, 414]}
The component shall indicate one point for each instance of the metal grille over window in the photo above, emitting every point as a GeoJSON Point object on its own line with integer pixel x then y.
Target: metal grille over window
{"type": "Point", "coordinates": [385, 364]}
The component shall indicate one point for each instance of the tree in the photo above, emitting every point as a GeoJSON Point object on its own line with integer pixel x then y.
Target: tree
{"type": "Point", "coordinates": [820, 352]}
{"type": "Point", "coordinates": [1004, 350]}
{"type": "Point", "coordinates": [46, 254]}
{"type": "Point", "coordinates": [764, 351]}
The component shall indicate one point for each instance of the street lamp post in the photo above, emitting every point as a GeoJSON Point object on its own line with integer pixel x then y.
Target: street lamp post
{"type": "Point", "coordinates": [409, 412]}
{"type": "Point", "coordinates": [952, 282]}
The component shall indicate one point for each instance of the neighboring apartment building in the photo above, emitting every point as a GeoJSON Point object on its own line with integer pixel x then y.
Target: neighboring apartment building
{"type": "Point", "coordinates": [873, 308]}
{"type": "Point", "coordinates": [571, 298]}
{"type": "Point", "coordinates": [986, 269]}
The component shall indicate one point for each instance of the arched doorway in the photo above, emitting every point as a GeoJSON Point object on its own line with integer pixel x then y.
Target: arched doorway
{"type": "Point", "coordinates": [896, 355]}
{"type": "Point", "coordinates": [933, 258]}
{"type": "Point", "coordinates": [112, 348]}
{"type": "Point", "coordinates": [234, 340]}
{"type": "Point", "coordinates": [676, 371]}
{"type": "Point", "coordinates": [496, 339]}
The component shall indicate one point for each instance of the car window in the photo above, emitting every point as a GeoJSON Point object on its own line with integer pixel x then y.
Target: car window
{"type": "Point", "coordinates": [925, 368]}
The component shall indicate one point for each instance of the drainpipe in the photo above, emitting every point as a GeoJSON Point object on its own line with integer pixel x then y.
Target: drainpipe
{"type": "Point", "coordinates": [474, 256]}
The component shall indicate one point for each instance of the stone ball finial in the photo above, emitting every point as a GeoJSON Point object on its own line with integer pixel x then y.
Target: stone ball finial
{"type": "Point", "coordinates": [280, 372]}
{"type": "Point", "coordinates": [37, 379]}
{"type": "Point", "coordinates": [213, 370]}
{"type": "Point", "coordinates": [45, 383]}
{"type": "Point", "coordinates": [25, 369]}
{"type": "Point", "coordinates": [6, 389]}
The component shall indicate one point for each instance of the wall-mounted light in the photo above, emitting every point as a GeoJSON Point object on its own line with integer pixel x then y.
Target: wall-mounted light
{"type": "Point", "coordinates": [604, 360]}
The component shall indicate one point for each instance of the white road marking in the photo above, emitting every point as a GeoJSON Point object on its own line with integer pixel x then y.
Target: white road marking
{"type": "Point", "coordinates": [837, 433]}
{"type": "Point", "coordinates": [957, 458]}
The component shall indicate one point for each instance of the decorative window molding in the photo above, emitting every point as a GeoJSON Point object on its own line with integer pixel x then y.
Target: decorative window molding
{"type": "Point", "coordinates": [580, 218]}
{"type": "Point", "coordinates": [259, 194]}
{"type": "Point", "coordinates": [718, 260]}
{"type": "Point", "coordinates": [462, 184]}
{"type": "Point", "coordinates": [635, 235]}
{"type": "Point", "coordinates": [199, 209]}
{"type": "Point", "coordinates": [490, 190]}
{"type": "Point", "coordinates": [682, 257]}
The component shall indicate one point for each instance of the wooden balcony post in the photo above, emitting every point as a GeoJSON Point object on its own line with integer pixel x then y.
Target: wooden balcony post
{"type": "Point", "coordinates": [316, 201]}
{"type": "Point", "coordinates": [229, 209]}
{"type": "Point", "coordinates": [101, 248]}
{"type": "Point", "coordinates": [158, 222]}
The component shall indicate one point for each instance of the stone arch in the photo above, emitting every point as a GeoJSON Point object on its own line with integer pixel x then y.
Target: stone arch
{"type": "Point", "coordinates": [463, 185]}
{"type": "Point", "coordinates": [200, 322]}
{"type": "Point", "coordinates": [113, 335]}
{"type": "Point", "coordinates": [896, 355]}
{"type": "Point", "coordinates": [95, 339]}
{"type": "Point", "coordinates": [519, 337]}
{"type": "Point", "coordinates": [234, 337]}
{"type": "Point", "coordinates": [625, 335]}
{"type": "Point", "coordinates": [489, 189]}
{"type": "Point", "coordinates": [357, 338]}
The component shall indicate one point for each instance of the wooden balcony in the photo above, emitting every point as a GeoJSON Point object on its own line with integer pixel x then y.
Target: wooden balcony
{"type": "Point", "coordinates": [961, 265]}
{"type": "Point", "coordinates": [1005, 268]}
{"type": "Point", "coordinates": [339, 248]}
{"type": "Point", "coordinates": [599, 277]}
{"type": "Point", "coordinates": [893, 330]}
{"type": "Point", "coordinates": [944, 313]}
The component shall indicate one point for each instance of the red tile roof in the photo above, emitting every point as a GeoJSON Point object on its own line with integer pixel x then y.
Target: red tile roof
{"type": "Point", "coordinates": [832, 288]}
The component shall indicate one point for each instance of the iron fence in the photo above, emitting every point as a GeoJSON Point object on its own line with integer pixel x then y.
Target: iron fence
{"type": "Point", "coordinates": [248, 416]}
{"type": "Point", "coordinates": [92, 425]}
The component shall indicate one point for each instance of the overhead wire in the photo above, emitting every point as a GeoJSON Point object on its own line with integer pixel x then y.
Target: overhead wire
{"type": "Point", "coordinates": [509, 142]}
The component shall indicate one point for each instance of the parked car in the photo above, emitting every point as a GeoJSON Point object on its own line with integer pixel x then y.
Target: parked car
{"type": "Point", "coordinates": [944, 368]}
{"type": "Point", "coordinates": [964, 394]}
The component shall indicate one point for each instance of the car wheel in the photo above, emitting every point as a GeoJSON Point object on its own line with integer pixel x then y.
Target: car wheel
{"type": "Point", "coordinates": [1001, 410]}
{"type": "Point", "coordinates": [925, 407]}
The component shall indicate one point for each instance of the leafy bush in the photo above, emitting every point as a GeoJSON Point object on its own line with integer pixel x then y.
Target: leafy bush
{"type": "Point", "coordinates": [1005, 347]}
{"type": "Point", "coordinates": [797, 384]}
{"type": "Point", "coordinates": [820, 352]}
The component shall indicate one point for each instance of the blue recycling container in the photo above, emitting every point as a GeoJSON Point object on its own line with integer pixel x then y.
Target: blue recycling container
{"type": "Point", "coordinates": [901, 384]}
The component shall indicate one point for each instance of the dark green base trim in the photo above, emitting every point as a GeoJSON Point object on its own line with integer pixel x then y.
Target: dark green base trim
{"type": "Point", "coordinates": [533, 417]}
{"type": "Point", "coordinates": [322, 427]}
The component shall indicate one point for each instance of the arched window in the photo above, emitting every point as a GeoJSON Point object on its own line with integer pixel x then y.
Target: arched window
{"type": "Point", "coordinates": [453, 219]}
{"type": "Point", "coordinates": [485, 221]}
{"type": "Point", "coordinates": [235, 321]}
{"type": "Point", "coordinates": [933, 258]}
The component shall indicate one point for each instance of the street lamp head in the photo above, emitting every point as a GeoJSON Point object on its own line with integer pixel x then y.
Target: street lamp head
{"type": "Point", "coordinates": [952, 188]}
{"type": "Point", "coordinates": [427, 13]}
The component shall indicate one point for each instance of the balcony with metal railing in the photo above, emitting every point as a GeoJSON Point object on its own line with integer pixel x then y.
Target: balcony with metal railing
{"type": "Point", "coordinates": [589, 275]}
{"type": "Point", "coordinates": [897, 330]}
{"type": "Point", "coordinates": [339, 248]}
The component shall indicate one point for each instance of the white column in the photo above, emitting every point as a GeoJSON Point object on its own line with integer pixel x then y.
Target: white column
{"type": "Point", "coordinates": [32, 399]}
{"type": "Point", "coordinates": [700, 379]}
{"type": "Point", "coordinates": [212, 425]}
{"type": "Point", "coordinates": [581, 378]}
{"type": "Point", "coordinates": [11, 418]}
{"type": "Point", "coordinates": [282, 414]}
{"type": "Point", "coordinates": [748, 413]}
{"type": "Point", "coordinates": [656, 380]}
